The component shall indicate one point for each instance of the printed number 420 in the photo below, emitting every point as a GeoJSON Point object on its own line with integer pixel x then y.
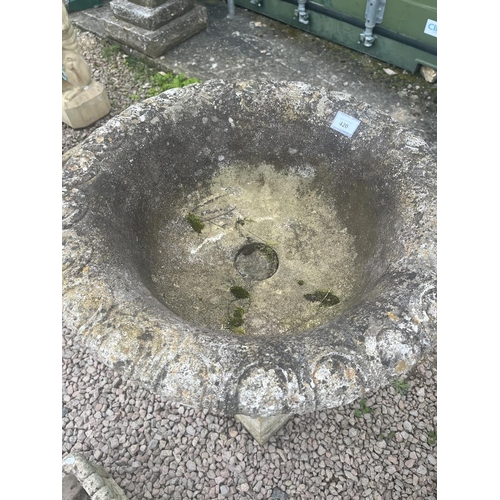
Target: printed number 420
{"type": "Point", "coordinates": [345, 124]}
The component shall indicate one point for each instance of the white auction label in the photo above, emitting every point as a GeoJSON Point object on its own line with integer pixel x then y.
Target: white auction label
{"type": "Point", "coordinates": [345, 124]}
{"type": "Point", "coordinates": [431, 28]}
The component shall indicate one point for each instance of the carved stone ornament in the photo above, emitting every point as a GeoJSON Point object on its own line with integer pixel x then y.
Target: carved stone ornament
{"type": "Point", "coordinates": [84, 101]}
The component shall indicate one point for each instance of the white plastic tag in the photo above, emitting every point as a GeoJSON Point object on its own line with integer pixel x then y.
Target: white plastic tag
{"type": "Point", "coordinates": [431, 28]}
{"type": "Point", "coordinates": [345, 124]}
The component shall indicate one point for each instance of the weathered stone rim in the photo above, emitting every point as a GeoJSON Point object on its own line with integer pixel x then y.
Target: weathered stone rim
{"type": "Point", "coordinates": [326, 367]}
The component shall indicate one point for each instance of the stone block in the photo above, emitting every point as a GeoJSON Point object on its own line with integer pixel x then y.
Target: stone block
{"type": "Point", "coordinates": [150, 18]}
{"type": "Point", "coordinates": [84, 109]}
{"type": "Point", "coordinates": [155, 43]}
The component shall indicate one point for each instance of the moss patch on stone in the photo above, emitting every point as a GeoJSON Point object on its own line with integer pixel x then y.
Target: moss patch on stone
{"type": "Point", "coordinates": [235, 321]}
{"type": "Point", "coordinates": [324, 297]}
{"type": "Point", "coordinates": [195, 222]}
{"type": "Point", "coordinates": [239, 292]}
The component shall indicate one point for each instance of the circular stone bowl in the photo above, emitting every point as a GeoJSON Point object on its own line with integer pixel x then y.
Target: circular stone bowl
{"type": "Point", "coordinates": [352, 218]}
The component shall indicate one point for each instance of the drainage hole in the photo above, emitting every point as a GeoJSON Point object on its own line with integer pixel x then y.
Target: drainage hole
{"type": "Point", "coordinates": [256, 261]}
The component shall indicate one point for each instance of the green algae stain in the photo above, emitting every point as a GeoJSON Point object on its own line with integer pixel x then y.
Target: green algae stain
{"type": "Point", "coordinates": [195, 222]}
{"type": "Point", "coordinates": [324, 297]}
{"type": "Point", "coordinates": [239, 292]}
{"type": "Point", "coordinates": [239, 330]}
{"type": "Point", "coordinates": [235, 321]}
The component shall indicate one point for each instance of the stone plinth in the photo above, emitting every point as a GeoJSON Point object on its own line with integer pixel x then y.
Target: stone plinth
{"type": "Point", "coordinates": [153, 27]}
{"type": "Point", "coordinates": [150, 18]}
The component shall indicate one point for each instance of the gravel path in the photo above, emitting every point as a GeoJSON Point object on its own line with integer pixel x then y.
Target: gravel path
{"type": "Point", "coordinates": [155, 449]}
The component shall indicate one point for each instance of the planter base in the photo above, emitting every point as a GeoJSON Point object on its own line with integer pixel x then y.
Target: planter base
{"type": "Point", "coordinates": [263, 428]}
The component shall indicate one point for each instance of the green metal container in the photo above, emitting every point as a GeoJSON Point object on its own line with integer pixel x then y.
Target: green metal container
{"type": "Point", "coordinates": [399, 32]}
{"type": "Point", "coordinates": [74, 5]}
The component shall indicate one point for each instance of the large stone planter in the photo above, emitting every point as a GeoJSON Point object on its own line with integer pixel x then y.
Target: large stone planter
{"type": "Point", "coordinates": [226, 248]}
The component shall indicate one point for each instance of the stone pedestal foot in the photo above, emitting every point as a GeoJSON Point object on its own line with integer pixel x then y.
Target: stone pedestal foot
{"type": "Point", "coordinates": [262, 428]}
{"type": "Point", "coordinates": [86, 107]}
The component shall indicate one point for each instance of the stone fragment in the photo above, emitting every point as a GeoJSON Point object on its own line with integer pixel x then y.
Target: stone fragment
{"type": "Point", "coordinates": [350, 475]}
{"type": "Point", "coordinates": [72, 489]}
{"type": "Point", "coordinates": [278, 494]}
{"type": "Point", "coordinates": [114, 443]}
{"type": "Point", "coordinates": [94, 483]}
{"type": "Point", "coordinates": [407, 426]}
{"type": "Point", "coordinates": [429, 74]}
{"type": "Point", "coordinates": [422, 471]}
{"type": "Point", "coordinates": [94, 479]}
